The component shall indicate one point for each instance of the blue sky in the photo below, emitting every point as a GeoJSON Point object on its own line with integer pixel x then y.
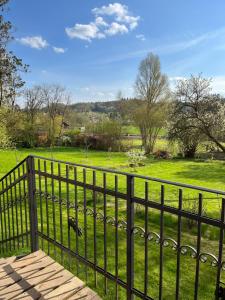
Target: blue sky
{"type": "Point", "coordinates": [93, 48]}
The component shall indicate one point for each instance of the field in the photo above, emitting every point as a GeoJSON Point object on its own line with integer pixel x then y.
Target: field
{"type": "Point", "coordinates": [208, 174]}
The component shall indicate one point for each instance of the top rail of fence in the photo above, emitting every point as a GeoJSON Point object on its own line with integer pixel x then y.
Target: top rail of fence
{"type": "Point", "coordinates": [108, 170]}
{"type": "Point", "coordinates": [13, 169]}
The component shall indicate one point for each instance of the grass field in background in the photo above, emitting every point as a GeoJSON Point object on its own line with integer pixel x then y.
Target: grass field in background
{"type": "Point", "coordinates": [208, 173]}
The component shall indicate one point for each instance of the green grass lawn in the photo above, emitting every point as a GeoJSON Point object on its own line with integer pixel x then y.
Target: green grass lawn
{"type": "Point", "coordinates": [209, 174]}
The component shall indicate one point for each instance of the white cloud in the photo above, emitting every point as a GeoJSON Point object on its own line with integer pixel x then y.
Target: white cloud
{"type": "Point", "coordinates": [141, 37]}
{"type": "Point", "coordinates": [36, 42]}
{"type": "Point", "coordinates": [59, 50]}
{"type": "Point", "coordinates": [99, 21]}
{"type": "Point", "coordinates": [120, 12]}
{"type": "Point", "coordinates": [122, 22]}
{"type": "Point", "coordinates": [116, 28]}
{"type": "Point", "coordinates": [85, 32]}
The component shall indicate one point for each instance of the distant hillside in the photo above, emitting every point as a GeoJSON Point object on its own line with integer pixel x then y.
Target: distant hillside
{"type": "Point", "coordinates": [99, 107]}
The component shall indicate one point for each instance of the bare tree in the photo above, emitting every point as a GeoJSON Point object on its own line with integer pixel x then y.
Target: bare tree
{"type": "Point", "coordinates": [33, 103]}
{"type": "Point", "coordinates": [56, 100]}
{"type": "Point", "coordinates": [152, 89]}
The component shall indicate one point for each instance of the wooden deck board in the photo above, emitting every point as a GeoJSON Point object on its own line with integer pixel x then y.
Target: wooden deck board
{"type": "Point", "coordinates": [38, 277]}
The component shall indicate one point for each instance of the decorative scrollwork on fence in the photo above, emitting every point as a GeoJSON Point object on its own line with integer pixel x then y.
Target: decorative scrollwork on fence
{"type": "Point", "coordinates": [169, 242]}
{"type": "Point", "coordinates": [205, 257]}
{"type": "Point", "coordinates": [188, 250]}
{"type": "Point", "coordinates": [110, 220]}
{"type": "Point", "coordinates": [139, 231]}
{"type": "Point", "coordinates": [151, 236]}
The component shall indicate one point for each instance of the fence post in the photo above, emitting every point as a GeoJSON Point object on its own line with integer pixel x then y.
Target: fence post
{"type": "Point", "coordinates": [32, 204]}
{"type": "Point", "coordinates": [130, 238]}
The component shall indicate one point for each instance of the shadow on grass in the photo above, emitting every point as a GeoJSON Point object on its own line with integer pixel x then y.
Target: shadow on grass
{"type": "Point", "coordinates": [204, 172]}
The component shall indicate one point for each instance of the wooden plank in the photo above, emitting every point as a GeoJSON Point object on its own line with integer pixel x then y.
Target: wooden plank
{"type": "Point", "coordinates": [9, 280]}
{"type": "Point", "coordinates": [15, 289]}
{"type": "Point", "coordinates": [27, 260]}
{"type": "Point", "coordinates": [54, 281]}
{"type": "Point", "coordinates": [27, 284]}
{"type": "Point", "coordinates": [65, 290]}
{"type": "Point", "coordinates": [86, 293]}
{"type": "Point", "coordinates": [39, 277]}
{"type": "Point", "coordinates": [7, 270]}
{"type": "Point", "coordinates": [8, 260]}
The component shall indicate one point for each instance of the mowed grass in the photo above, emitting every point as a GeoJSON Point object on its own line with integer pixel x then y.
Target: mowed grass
{"type": "Point", "coordinates": [204, 173]}
{"type": "Point", "coordinates": [209, 173]}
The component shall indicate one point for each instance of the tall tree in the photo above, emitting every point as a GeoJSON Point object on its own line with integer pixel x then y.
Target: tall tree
{"type": "Point", "coordinates": [152, 89]}
{"type": "Point", "coordinates": [10, 64]}
{"type": "Point", "coordinates": [33, 102]}
{"type": "Point", "coordinates": [56, 100]}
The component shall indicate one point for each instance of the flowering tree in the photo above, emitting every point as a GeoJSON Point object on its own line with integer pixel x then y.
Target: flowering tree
{"type": "Point", "coordinates": [136, 157]}
{"type": "Point", "coordinates": [198, 113]}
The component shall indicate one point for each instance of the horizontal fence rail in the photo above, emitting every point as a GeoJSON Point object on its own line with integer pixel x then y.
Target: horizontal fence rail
{"type": "Point", "coordinates": [136, 236]}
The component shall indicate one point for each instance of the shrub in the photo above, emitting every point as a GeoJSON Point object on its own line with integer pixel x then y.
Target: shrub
{"type": "Point", "coordinates": [105, 135]}
{"type": "Point", "coordinates": [161, 154]}
{"type": "Point", "coordinates": [136, 157]}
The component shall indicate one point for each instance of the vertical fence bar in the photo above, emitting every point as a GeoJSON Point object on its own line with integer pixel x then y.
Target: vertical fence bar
{"type": "Point", "coordinates": [16, 205]}
{"type": "Point", "coordinates": [46, 203]}
{"type": "Point", "coordinates": [130, 238]}
{"type": "Point", "coordinates": [116, 234]}
{"type": "Point", "coordinates": [146, 241]}
{"type": "Point", "coordinates": [94, 227]}
{"type": "Point", "coordinates": [198, 247]}
{"type": "Point", "coordinates": [12, 211]}
{"type": "Point", "coordinates": [161, 244]}
{"type": "Point", "coordinates": [68, 211]}
{"type": "Point", "coordinates": [60, 211]}
{"type": "Point", "coordinates": [21, 208]}
{"type": "Point", "coordinates": [76, 216]}
{"type": "Point", "coordinates": [53, 207]}
{"type": "Point", "coordinates": [178, 246]}
{"type": "Point", "coordinates": [40, 200]}
{"type": "Point", "coordinates": [85, 220]}
{"type": "Point", "coordinates": [8, 214]}
{"type": "Point", "coordinates": [1, 218]}
{"type": "Point", "coordinates": [5, 225]}
{"type": "Point", "coordinates": [25, 205]}
{"type": "Point", "coordinates": [32, 204]}
{"type": "Point", "coordinates": [221, 241]}
{"type": "Point", "coordinates": [105, 230]}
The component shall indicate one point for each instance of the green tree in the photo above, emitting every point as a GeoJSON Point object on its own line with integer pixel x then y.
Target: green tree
{"type": "Point", "coordinates": [152, 90]}
{"type": "Point", "coordinates": [10, 65]}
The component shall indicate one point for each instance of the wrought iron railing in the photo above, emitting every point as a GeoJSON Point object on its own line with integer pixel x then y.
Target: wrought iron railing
{"type": "Point", "coordinates": [128, 235]}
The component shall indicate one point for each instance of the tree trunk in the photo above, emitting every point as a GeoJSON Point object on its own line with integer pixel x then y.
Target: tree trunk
{"type": "Point", "coordinates": [212, 138]}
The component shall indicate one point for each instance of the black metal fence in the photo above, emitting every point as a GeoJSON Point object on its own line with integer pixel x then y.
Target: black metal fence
{"type": "Point", "coordinates": [128, 236]}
